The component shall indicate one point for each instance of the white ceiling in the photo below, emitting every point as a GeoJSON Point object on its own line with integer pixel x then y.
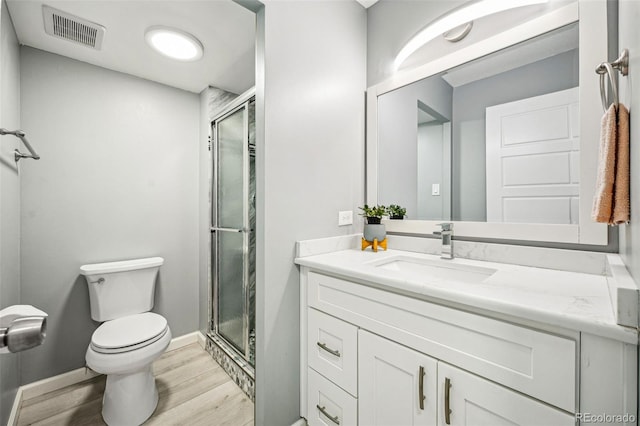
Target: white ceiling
{"type": "Point", "coordinates": [226, 30]}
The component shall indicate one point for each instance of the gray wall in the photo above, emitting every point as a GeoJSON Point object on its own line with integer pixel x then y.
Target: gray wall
{"type": "Point", "coordinates": [629, 37]}
{"type": "Point", "coordinates": [398, 139]}
{"type": "Point", "coordinates": [470, 102]}
{"type": "Point", "coordinates": [310, 165]}
{"type": "Point", "coordinates": [117, 180]}
{"type": "Point", "coordinates": [9, 201]}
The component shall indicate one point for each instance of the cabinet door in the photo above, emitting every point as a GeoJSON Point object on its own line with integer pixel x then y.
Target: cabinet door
{"type": "Point", "coordinates": [391, 389]}
{"type": "Point", "coordinates": [472, 400]}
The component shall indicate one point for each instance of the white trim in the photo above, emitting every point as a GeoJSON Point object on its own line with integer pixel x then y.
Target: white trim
{"type": "Point", "coordinates": [202, 340]}
{"type": "Point", "coordinates": [17, 402]}
{"type": "Point", "coordinates": [327, 245]}
{"type": "Point", "coordinates": [304, 273]}
{"type": "Point", "coordinates": [592, 15]}
{"type": "Point", "coordinates": [623, 291]}
{"type": "Point", "coordinates": [300, 422]}
{"type": "Point", "coordinates": [51, 384]}
{"type": "Point", "coordinates": [184, 340]}
{"type": "Point", "coordinates": [47, 385]}
{"type": "Point", "coordinates": [60, 381]}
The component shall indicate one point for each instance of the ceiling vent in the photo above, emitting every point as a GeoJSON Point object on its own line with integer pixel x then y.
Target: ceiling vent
{"type": "Point", "coordinates": [73, 28]}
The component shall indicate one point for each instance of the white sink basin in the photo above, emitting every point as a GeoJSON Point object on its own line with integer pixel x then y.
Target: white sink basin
{"type": "Point", "coordinates": [441, 269]}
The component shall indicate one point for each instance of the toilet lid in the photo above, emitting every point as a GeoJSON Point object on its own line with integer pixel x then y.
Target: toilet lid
{"type": "Point", "coordinates": [128, 333]}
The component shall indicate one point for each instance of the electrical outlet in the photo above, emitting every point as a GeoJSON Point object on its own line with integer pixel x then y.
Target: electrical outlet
{"type": "Point", "coordinates": [345, 218]}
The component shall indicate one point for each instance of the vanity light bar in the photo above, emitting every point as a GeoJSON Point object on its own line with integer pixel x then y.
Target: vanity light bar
{"type": "Point", "coordinates": [455, 18]}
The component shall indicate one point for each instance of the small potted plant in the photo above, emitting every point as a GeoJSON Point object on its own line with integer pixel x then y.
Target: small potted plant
{"type": "Point", "coordinates": [374, 232]}
{"type": "Point", "coordinates": [396, 212]}
{"type": "Point", "coordinates": [373, 214]}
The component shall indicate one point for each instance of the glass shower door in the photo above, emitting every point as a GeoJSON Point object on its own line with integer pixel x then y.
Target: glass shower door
{"type": "Point", "coordinates": [230, 228]}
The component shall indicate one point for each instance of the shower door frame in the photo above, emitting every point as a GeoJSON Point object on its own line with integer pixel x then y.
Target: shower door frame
{"type": "Point", "coordinates": [240, 103]}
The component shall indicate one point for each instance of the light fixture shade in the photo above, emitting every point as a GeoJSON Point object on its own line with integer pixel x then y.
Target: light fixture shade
{"type": "Point", "coordinates": [460, 16]}
{"type": "Point", "coordinates": [173, 43]}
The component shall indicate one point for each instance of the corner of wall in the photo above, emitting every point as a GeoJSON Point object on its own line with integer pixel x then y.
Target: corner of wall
{"type": "Point", "coordinates": [9, 201]}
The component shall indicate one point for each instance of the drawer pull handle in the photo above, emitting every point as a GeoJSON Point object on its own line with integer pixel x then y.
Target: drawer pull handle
{"type": "Point", "coordinates": [327, 415]}
{"type": "Point", "coordinates": [328, 349]}
{"type": "Point", "coordinates": [421, 396]}
{"type": "Point", "coordinates": [447, 410]}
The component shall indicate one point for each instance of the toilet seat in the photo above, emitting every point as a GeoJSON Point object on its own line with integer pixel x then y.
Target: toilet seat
{"type": "Point", "coordinates": [129, 333]}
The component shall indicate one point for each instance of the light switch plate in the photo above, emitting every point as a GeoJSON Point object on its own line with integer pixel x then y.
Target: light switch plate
{"type": "Point", "coordinates": [345, 218]}
{"type": "Point", "coordinates": [435, 189]}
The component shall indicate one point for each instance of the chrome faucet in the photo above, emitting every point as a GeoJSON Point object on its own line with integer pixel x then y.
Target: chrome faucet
{"type": "Point", "coordinates": [446, 236]}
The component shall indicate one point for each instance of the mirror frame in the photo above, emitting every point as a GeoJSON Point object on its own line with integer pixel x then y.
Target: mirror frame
{"type": "Point", "coordinates": [591, 15]}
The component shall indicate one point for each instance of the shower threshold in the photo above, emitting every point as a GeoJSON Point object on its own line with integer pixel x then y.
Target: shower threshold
{"type": "Point", "coordinates": [238, 368]}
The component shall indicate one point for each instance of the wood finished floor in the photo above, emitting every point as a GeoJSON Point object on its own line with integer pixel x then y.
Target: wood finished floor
{"type": "Point", "coordinates": [193, 390]}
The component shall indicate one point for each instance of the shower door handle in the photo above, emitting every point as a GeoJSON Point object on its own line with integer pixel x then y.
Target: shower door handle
{"type": "Point", "coordinates": [245, 230]}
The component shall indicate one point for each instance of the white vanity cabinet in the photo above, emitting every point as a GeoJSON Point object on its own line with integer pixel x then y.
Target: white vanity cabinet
{"type": "Point", "coordinates": [374, 357]}
{"type": "Point", "coordinates": [394, 379]}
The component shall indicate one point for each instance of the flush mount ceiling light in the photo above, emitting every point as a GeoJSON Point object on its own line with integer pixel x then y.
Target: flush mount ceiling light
{"type": "Point", "coordinates": [173, 43]}
{"type": "Point", "coordinates": [456, 18]}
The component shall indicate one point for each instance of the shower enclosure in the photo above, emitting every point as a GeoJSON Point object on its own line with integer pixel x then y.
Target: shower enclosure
{"type": "Point", "coordinates": [233, 224]}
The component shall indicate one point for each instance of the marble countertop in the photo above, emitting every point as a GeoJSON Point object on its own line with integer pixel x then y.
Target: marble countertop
{"type": "Point", "coordinates": [571, 300]}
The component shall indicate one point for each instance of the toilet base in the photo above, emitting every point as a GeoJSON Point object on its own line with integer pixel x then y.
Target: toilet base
{"type": "Point", "coordinates": [129, 399]}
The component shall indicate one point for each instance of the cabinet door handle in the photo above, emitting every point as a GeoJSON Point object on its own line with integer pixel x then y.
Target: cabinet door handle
{"type": "Point", "coordinates": [323, 410]}
{"type": "Point", "coordinates": [328, 349]}
{"type": "Point", "coordinates": [421, 396]}
{"type": "Point", "coordinates": [447, 410]}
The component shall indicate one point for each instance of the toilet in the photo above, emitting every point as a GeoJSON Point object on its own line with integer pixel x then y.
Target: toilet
{"type": "Point", "coordinates": [129, 339]}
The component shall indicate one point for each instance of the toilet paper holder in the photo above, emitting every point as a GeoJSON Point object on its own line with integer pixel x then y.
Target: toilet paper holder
{"type": "Point", "coordinates": [22, 327]}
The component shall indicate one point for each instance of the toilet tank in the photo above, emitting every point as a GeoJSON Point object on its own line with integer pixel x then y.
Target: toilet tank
{"type": "Point", "coordinates": [118, 289]}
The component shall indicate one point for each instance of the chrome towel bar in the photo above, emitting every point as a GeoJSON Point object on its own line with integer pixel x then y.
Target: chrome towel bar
{"type": "Point", "coordinates": [21, 135]}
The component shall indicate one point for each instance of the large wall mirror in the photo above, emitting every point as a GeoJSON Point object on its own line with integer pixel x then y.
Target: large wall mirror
{"type": "Point", "coordinates": [501, 137]}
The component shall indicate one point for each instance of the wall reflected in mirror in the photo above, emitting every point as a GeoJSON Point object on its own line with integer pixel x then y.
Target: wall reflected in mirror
{"type": "Point", "coordinates": [495, 139]}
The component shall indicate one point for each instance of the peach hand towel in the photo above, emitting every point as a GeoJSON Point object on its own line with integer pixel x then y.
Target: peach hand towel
{"type": "Point", "coordinates": [621, 184]}
{"type": "Point", "coordinates": [603, 200]}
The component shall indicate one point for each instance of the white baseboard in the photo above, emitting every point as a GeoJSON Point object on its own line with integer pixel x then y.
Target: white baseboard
{"type": "Point", "coordinates": [13, 417]}
{"type": "Point", "coordinates": [60, 381]}
{"type": "Point", "coordinates": [57, 382]}
{"type": "Point", "coordinates": [184, 340]}
{"type": "Point", "coordinates": [301, 422]}
{"type": "Point", "coordinates": [202, 340]}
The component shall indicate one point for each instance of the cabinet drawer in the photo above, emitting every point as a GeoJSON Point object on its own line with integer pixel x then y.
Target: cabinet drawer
{"type": "Point", "coordinates": [332, 347]}
{"type": "Point", "coordinates": [536, 363]}
{"type": "Point", "coordinates": [328, 404]}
